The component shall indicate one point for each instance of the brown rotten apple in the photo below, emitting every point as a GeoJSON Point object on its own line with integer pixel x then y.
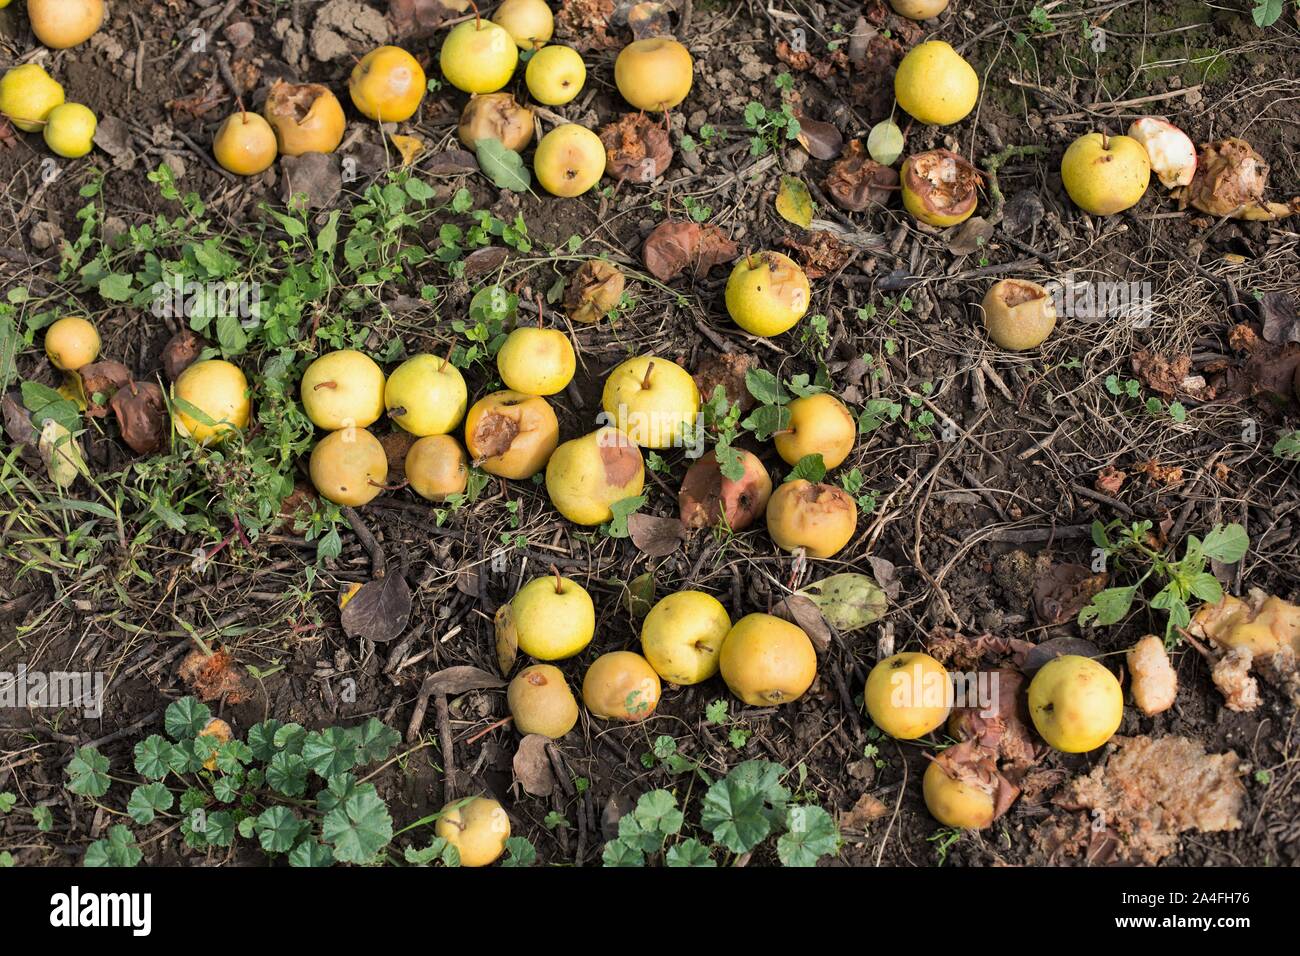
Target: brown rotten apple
{"type": "Point", "coordinates": [819, 518]}
{"type": "Point", "coordinates": [511, 434]}
{"type": "Point", "coordinates": [939, 187]}
{"type": "Point", "coordinates": [496, 116]}
{"type": "Point", "coordinates": [306, 117]}
{"type": "Point", "coordinates": [708, 498]}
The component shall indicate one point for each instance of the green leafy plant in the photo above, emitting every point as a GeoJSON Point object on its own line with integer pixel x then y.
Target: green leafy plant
{"type": "Point", "coordinates": [1134, 552]}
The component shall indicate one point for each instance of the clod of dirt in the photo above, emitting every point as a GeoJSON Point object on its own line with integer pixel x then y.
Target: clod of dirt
{"type": "Point", "coordinates": [593, 291]}
{"type": "Point", "coordinates": [344, 27]}
{"type": "Point", "coordinates": [141, 413]}
{"type": "Point", "coordinates": [636, 148]}
{"type": "Point", "coordinates": [707, 497]}
{"type": "Point", "coordinates": [675, 246]}
{"type": "Point", "coordinates": [1230, 180]}
{"type": "Point", "coordinates": [181, 351]}
{"type": "Point", "coordinates": [1154, 680]}
{"type": "Point", "coordinates": [419, 18]}
{"type": "Point", "coordinates": [585, 24]}
{"type": "Point", "coordinates": [100, 382]}
{"type": "Point", "coordinates": [1110, 480]}
{"type": "Point", "coordinates": [821, 255]}
{"type": "Point", "coordinates": [1022, 212]}
{"type": "Point", "coordinates": [1167, 476]}
{"type": "Point", "coordinates": [857, 182]}
{"type": "Point", "coordinates": [1151, 790]}
{"type": "Point", "coordinates": [317, 176]}
{"type": "Point", "coordinates": [215, 676]}
{"type": "Point", "coordinates": [45, 236]}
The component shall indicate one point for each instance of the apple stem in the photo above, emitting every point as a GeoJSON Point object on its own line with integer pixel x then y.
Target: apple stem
{"type": "Point", "coordinates": [782, 431]}
{"type": "Point", "coordinates": [1105, 140]}
{"type": "Point", "coordinates": [645, 382]}
{"type": "Point", "coordinates": [377, 484]}
{"type": "Point", "coordinates": [477, 22]}
{"type": "Point", "coordinates": [559, 581]}
{"type": "Point", "coordinates": [749, 258]}
{"type": "Point", "coordinates": [320, 385]}
{"type": "Point", "coordinates": [447, 358]}
{"type": "Point", "coordinates": [538, 297]}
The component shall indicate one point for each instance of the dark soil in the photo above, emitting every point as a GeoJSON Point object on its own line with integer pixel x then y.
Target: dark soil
{"type": "Point", "coordinates": [992, 464]}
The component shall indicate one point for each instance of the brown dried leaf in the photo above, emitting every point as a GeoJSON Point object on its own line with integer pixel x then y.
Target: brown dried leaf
{"type": "Point", "coordinates": [636, 148]}
{"type": "Point", "coordinates": [485, 260]}
{"type": "Point", "coordinates": [317, 176]}
{"type": "Point", "coordinates": [857, 182]}
{"type": "Point", "coordinates": [1110, 480]}
{"type": "Point", "coordinates": [180, 352]}
{"type": "Point", "coordinates": [419, 18]}
{"type": "Point", "coordinates": [655, 536]}
{"type": "Point", "coordinates": [821, 255]}
{"type": "Point", "coordinates": [865, 811]}
{"type": "Point", "coordinates": [675, 246]}
{"type": "Point", "coordinates": [650, 19]}
{"type": "Point", "coordinates": [141, 412]}
{"type": "Point", "coordinates": [532, 766]}
{"type": "Point", "coordinates": [802, 611]}
{"type": "Point", "coordinates": [1062, 590]}
{"type": "Point", "coordinates": [507, 635]}
{"type": "Point", "coordinates": [585, 24]}
{"type": "Point", "coordinates": [100, 382]}
{"type": "Point", "coordinates": [18, 426]}
{"type": "Point", "coordinates": [593, 291]}
{"type": "Point", "coordinates": [379, 611]}
{"type": "Point", "coordinates": [1280, 320]}
{"type": "Point", "coordinates": [727, 369]}
{"type": "Point", "coordinates": [461, 679]}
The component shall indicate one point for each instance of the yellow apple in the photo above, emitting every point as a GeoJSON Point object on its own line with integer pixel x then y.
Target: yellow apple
{"type": "Point", "coordinates": [819, 425]}
{"type": "Point", "coordinates": [541, 703]}
{"type": "Point", "coordinates": [682, 636]}
{"type": "Point", "coordinates": [529, 22]}
{"type": "Point", "coordinates": [621, 685]}
{"type": "Point", "coordinates": [28, 94]}
{"type": "Point", "coordinates": [70, 130]}
{"type": "Point", "coordinates": [569, 160]}
{"type": "Point", "coordinates": [766, 660]}
{"type": "Point", "coordinates": [586, 475]}
{"type": "Point", "coordinates": [426, 395]}
{"type": "Point", "coordinates": [477, 828]}
{"type": "Point", "coordinates": [820, 518]}
{"type": "Point", "coordinates": [954, 803]}
{"type": "Point", "coordinates": [60, 24]}
{"type": "Point", "coordinates": [1076, 704]}
{"type": "Point", "coordinates": [71, 342]}
{"type": "Point", "coordinates": [342, 389]}
{"type": "Point", "coordinates": [387, 85]}
{"type": "Point", "coordinates": [767, 293]}
{"type": "Point", "coordinates": [553, 617]}
{"type": "Point", "coordinates": [653, 401]}
{"type": "Point", "coordinates": [935, 85]}
{"type": "Point", "coordinates": [245, 144]}
{"type": "Point", "coordinates": [478, 56]}
{"type": "Point", "coordinates": [219, 392]}
{"type": "Point", "coordinates": [654, 74]}
{"type": "Point", "coordinates": [1105, 174]}
{"type": "Point", "coordinates": [555, 75]}
{"type": "Point", "coordinates": [536, 361]}
{"type": "Point", "coordinates": [349, 467]}
{"type": "Point", "coordinates": [908, 695]}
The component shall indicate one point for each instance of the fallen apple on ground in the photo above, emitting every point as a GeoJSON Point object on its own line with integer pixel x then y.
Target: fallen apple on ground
{"type": "Point", "coordinates": [218, 391]}
{"type": "Point", "coordinates": [1076, 704]}
{"type": "Point", "coordinates": [70, 130]}
{"type": "Point", "coordinates": [652, 400]}
{"type": "Point", "coordinates": [341, 389]}
{"type": "Point", "coordinates": [437, 467]}
{"type": "Point", "coordinates": [819, 518]}
{"type": "Point", "coordinates": [478, 56]}
{"type": "Point", "coordinates": [766, 660]}
{"type": "Point", "coordinates": [955, 802]}
{"type": "Point", "coordinates": [496, 116]}
{"type": "Point", "coordinates": [1105, 174]}
{"type": "Point", "coordinates": [306, 117]}
{"type": "Point", "coordinates": [819, 425]}
{"type": "Point", "coordinates": [536, 361]}
{"type": "Point", "coordinates": [349, 467]}
{"type": "Point", "coordinates": [940, 188]}
{"type": "Point", "coordinates": [510, 434]}
{"type": "Point", "coordinates": [426, 395]}
{"type": "Point", "coordinates": [553, 617]}
{"type": "Point", "coordinates": [935, 85]}
{"type": "Point", "coordinates": [60, 24]}
{"type": "Point", "coordinates": [682, 636]}
{"type": "Point", "coordinates": [541, 702]}
{"type": "Point", "coordinates": [654, 74]}
{"type": "Point", "coordinates": [555, 75]}
{"type": "Point", "coordinates": [28, 94]}
{"type": "Point", "coordinates": [908, 695]}
{"type": "Point", "coordinates": [621, 685]}
{"type": "Point", "coordinates": [245, 144]}
{"type": "Point", "coordinates": [387, 85]}
{"type": "Point", "coordinates": [71, 342]}
{"type": "Point", "coordinates": [1170, 151]}
{"type": "Point", "coordinates": [530, 23]}
{"type": "Point", "coordinates": [569, 160]}
{"type": "Point", "coordinates": [709, 499]}
{"type": "Point", "coordinates": [478, 828]}
{"type": "Point", "coordinates": [1018, 314]}
{"type": "Point", "coordinates": [586, 475]}
{"type": "Point", "coordinates": [767, 293]}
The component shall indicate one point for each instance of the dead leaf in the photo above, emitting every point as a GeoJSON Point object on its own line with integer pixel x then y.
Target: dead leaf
{"type": "Point", "coordinates": [822, 255]}
{"type": "Point", "coordinates": [655, 536]}
{"type": "Point", "coordinates": [822, 140]}
{"type": "Point", "coordinates": [1038, 655]}
{"type": "Point", "coordinates": [848, 601]}
{"type": "Point", "coordinates": [507, 635]}
{"type": "Point", "coordinates": [180, 352]}
{"type": "Point", "coordinates": [1110, 480]}
{"type": "Point", "coordinates": [485, 260]}
{"type": "Point", "coordinates": [794, 203]}
{"type": "Point", "coordinates": [799, 610]}
{"type": "Point", "coordinates": [639, 595]}
{"type": "Point", "coordinates": [1006, 730]}
{"type": "Point", "coordinates": [676, 246]}
{"type": "Point", "coordinates": [532, 766]}
{"type": "Point", "coordinates": [317, 176]}
{"type": "Point", "coordinates": [593, 291]}
{"type": "Point", "coordinates": [141, 413]}
{"type": "Point", "coordinates": [379, 611]}
{"type": "Point", "coordinates": [1022, 212]}
{"type": "Point", "coordinates": [857, 182]}
{"type": "Point", "coordinates": [636, 148]}
{"type": "Point", "coordinates": [18, 426]}
{"type": "Point", "coordinates": [461, 679]}
{"type": "Point", "coordinates": [865, 811]}
{"type": "Point", "coordinates": [727, 369]}
{"type": "Point", "coordinates": [419, 18]}
{"type": "Point", "coordinates": [976, 766]}
{"type": "Point", "coordinates": [410, 147]}
{"type": "Point", "coordinates": [450, 162]}
{"type": "Point", "coordinates": [61, 453]}
{"type": "Point", "coordinates": [1280, 320]}
{"type": "Point", "coordinates": [970, 237]}
{"type": "Point", "coordinates": [886, 576]}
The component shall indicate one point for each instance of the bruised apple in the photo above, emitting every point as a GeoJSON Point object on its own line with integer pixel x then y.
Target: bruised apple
{"type": "Point", "coordinates": [767, 293]}
{"type": "Point", "coordinates": [541, 703]}
{"type": "Point", "coordinates": [954, 802]}
{"type": "Point", "coordinates": [478, 828]}
{"type": "Point", "coordinates": [586, 475]}
{"type": "Point", "coordinates": [496, 116]}
{"type": "Point", "coordinates": [709, 499]}
{"type": "Point", "coordinates": [939, 187]}
{"type": "Point", "coordinates": [510, 434]}
{"type": "Point", "coordinates": [820, 518]}
{"type": "Point", "coordinates": [306, 117]}
{"type": "Point", "coordinates": [621, 685]}
{"type": "Point", "coordinates": [1018, 314]}
{"type": "Point", "coordinates": [766, 660]}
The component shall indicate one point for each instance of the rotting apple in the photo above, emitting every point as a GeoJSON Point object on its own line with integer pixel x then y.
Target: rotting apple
{"type": "Point", "coordinates": [954, 802]}
{"type": "Point", "coordinates": [819, 518]}
{"type": "Point", "coordinates": [245, 144]}
{"type": "Point", "coordinates": [1076, 704]}
{"type": "Point", "coordinates": [653, 401]}
{"type": "Point", "coordinates": [819, 424]}
{"type": "Point", "coordinates": [71, 343]}
{"type": "Point", "coordinates": [935, 85]}
{"type": "Point", "coordinates": [654, 74]}
{"type": "Point", "coordinates": [553, 617]}
{"type": "Point", "coordinates": [70, 130]}
{"type": "Point", "coordinates": [1170, 151]}
{"type": "Point", "coordinates": [478, 56]}
{"type": "Point", "coordinates": [437, 467]}
{"type": "Point", "coordinates": [587, 475]}
{"type": "Point", "coordinates": [218, 391]}
{"type": "Point", "coordinates": [767, 293]}
{"type": "Point", "coordinates": [569, 160]}
{"type": "Point", "coordinates": [595, 289]}
{"type": "Point", "coordinates": [426, 395]}
{"type": "Point", "coordinates": [530, 23]}
{"type": "Point", "coordinates": [1018, 314]}
{"type": "Point", "coordinates": [682, 636]}
{"type": "Point", "coordinates": [60, 24]}
{"type": "Point", "coordinates": [349, 467]}
{"type": "Point", "coordinates": [478, 828]}
{"type": "Point", "coordinates": [496, 116]}
{"type": "Point", "coordinates": [541, 702]}
{"type": "Point", "coordinates": [341, 389]}
{"type": "Point", "coordinates": [387, 85]}
{"type": "Point", "coordinates": [306, 117]}
{"type": "Point", "coordinates": [709, 499]}
{"type": "Point", "coordinates": [28, 94]}
{"type": "Point", "coordinates": [940, 188]}
{"type": "Point", "coordinates": [621, 685]}
{"type": "Point", "coordinates": [536, 361]}
{"type": "Point", "coordinates": [510, 434]}
{"type": "Point", "coordinates": [908, 695]}
{"type": "Point", "coordinates": [766, 660]}
{"type": "Point", "coordinates": [1105, 174]}
{"type": "Point", "coordinates": [555, 75]}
